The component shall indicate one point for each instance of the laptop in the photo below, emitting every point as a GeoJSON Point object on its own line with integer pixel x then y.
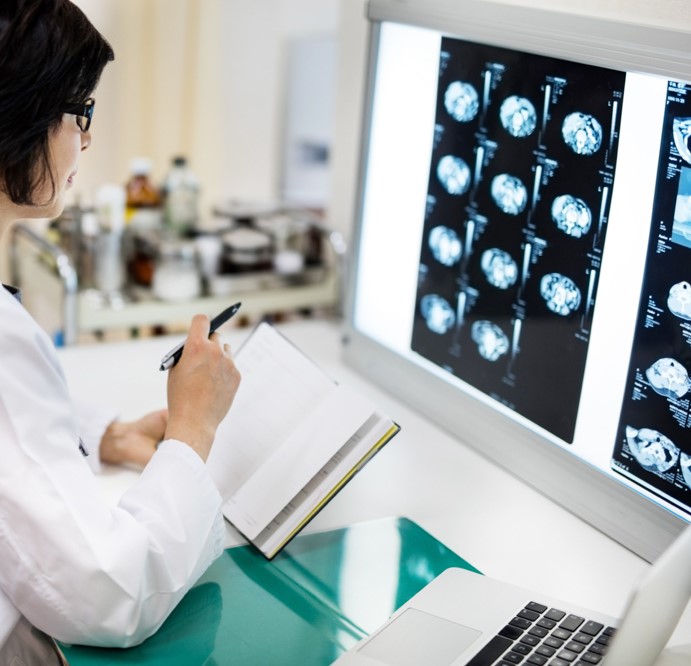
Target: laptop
{"type": "Point", "coordinates": [463, 618]}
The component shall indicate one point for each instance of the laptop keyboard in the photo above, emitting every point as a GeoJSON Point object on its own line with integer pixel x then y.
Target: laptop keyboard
{"type": "Point", "coordinates": [544, 636]}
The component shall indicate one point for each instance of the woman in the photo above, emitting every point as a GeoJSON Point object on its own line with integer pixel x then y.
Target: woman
{"type": "Point", "coordinates": [72, 567]}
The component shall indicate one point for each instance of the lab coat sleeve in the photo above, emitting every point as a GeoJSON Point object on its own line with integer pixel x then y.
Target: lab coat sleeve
{"type": "Point", "coordinates": [93, 419]}
{"type": "Point", "coordinates": [76, 567]}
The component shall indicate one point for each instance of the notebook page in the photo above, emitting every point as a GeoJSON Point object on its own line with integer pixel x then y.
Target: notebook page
{"type": "Point", "coordinates": [279, 387]}
{"type": "Point", "coordinates": [325, 429]}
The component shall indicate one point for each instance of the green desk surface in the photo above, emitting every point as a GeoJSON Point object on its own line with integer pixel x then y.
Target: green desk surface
{"type": "Point", "coordinates": [319, 596]}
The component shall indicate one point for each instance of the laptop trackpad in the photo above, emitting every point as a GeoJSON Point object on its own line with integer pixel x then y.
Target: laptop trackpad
{"type": "Point", "coordinates": [415, 638]}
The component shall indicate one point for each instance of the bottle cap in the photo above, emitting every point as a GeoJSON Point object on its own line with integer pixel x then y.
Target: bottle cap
{"type": "Point", "coordinates": [140, 166]}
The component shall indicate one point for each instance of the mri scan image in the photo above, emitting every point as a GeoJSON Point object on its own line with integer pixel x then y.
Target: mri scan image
{"type": "Point", "coordinates": [571, 215]}
{"type": "Point", "coordinates": [491, 341]}
{"type": "Point", "coordinates": [681, 130]}
{"type": "Point", "coordinates": [560, 293]}
{"type": "Point", "coordinates": [652, 449]}
{"type": "Point", "coordinates": [685, 465]}
{"type": "Point", "coordinates": [509, 193]}
{"type": "Point", "coordinates": [518, 116]}
{"type": "Point", "coordinates": [679, 300]}
{"type": "Point", "coordinates": [454, 174]}
{"type": "Point", "coordinates": [499, 268]}
{"type": "Point", "coordinates": [461, 101]}
{"type": "Point", "coordinates": [668, 377]}
{"type": "Point", "coordinates": [582, 133]}
{"type": "Point", "coordinates": [439, 315]}
{"type": "Point", "coordinates": [682, 215]}
{"type": "Point", "coordinates": [445, 245]}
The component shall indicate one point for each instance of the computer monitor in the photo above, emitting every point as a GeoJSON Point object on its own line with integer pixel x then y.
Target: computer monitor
{"type": "Point", "coordinates": [522, 249]}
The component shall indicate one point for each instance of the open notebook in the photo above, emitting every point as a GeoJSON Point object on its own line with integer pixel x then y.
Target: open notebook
{"type": "Point", "coordinates": [465, 619]}
{"type": "Point", "coordinates": [292, 440]}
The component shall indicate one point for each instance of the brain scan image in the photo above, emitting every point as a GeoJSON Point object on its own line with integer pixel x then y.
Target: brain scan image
{"type": "Point", "coordinates": [571, 215]}
{"type": "Point", "coordinates": [454, 174]}
{"type": "Point", "coordinates": [681, 130]}
{"type": "Point", "coordinates": [582, 133]}
{"type": "Point", "coordinates": [652, 449]}
{"type": "Point", "coordinates": [445, 245]}
{"type": "Point", "coordinates": [679, 300]}
{"type": "Point", "coordinates": [461, 101]}
{"type": "Point", "coordinates": [439, 315]}
{"type": "Point", "coordinates": [685, 465]}
{"type": "Point", "coordinates": [561, 294]}
{"type": "Point", "coordinates": [518, 116]}
{"type": "Point", "coordinates": [499, 268]}
{"type": "Point", "coordinates": [509, 193]}
{"type": "Point", "coordinates": [668, 377]}
{"type": "Point", "coordinates": [491, 341]}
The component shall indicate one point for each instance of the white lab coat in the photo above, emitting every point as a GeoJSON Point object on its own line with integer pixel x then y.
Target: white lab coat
{"type": "Point", "coordinates": [74, 566]}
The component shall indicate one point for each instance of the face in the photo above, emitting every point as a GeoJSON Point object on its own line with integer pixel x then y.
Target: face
{"type": "Point", "coordinates": [66, 143]}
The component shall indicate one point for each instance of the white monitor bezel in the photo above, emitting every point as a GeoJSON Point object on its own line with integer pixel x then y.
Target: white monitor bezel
{"type": "Point", "coordinates": [629, 517]}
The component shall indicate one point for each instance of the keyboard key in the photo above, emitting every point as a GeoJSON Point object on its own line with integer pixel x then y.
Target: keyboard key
{"type": "Point", "coordinates": [567, 655]}
{"type": "Point", "coordinates": [491, 652]}
{"type": "Point", "coordinates": [521, 623]}
{"type": "Point", "coordinates": [609, 631]}
{"type": "Point", "coordinates": [590, 658]}
{"type": "Point", "coordinates": [545, 650]}
{"type": "Point", "coordinates": [534, 606]}
{"type": "Point", "coordinates": [597, 648]}
{"type": "Point", "coordinates": [546, 623]}
{"type": "Point", "coordinates": [511, 632]}
{"type": "Point", "coordinates": [521, 648]}
{"type": "Point", "coordinates": [551, 641]}
{"type": "Point", "coordinates": [555, 614]}
{"type": "Point", "coordinates": [592, 628]}
{"type": "Point", "coordinates": [530, 640]}
{"type": "Point", "coordinates": [529, 615]}
{"type": "Point", "coordinates": [572, 622]}
{"type": "Point", "coordinates": [536, 660]}
{"type": "Point", "coordinates": [559, 662]}
{"type": "Point", "coordinates": [574, 647]}
{"type": "Point", "coordinates": [538, 631]}
{"type": "Point", "coordinates": [513, 658]}
{"type": "Point", "coordinates": [562, 633]}
{"type": "Point", "coordinates": [603, 640]}
{"type": "Point", "coordinates": [585, 639]}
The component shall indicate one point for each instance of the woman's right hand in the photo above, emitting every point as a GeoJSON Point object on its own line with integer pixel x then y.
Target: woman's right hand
{"type": "Point", "coordinates": [201, 388]}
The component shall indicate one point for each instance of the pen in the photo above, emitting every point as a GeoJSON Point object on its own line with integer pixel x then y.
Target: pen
{"type": "Point", "coordinates": [173, 356]}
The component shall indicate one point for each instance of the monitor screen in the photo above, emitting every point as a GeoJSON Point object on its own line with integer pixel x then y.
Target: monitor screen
{"type": "Point", "coordinates": [524, 244]}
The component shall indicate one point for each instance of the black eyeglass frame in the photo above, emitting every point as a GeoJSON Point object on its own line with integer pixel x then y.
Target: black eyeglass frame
{"type": "Point", "coordinates": [84, 111]}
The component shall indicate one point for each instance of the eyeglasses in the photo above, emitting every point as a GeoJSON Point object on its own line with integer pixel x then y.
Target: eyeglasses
{"type": "Point", "coordinates": [84, 111]}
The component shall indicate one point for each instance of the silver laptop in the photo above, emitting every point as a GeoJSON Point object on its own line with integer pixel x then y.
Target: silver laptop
{"type": "Point", "coordinates": [465, 619]}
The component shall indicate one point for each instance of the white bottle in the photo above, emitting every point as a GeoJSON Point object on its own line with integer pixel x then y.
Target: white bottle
{"type": "Point", "coordinates": [181, 197]}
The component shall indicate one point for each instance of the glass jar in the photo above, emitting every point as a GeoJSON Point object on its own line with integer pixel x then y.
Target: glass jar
{"type": "Point", "coordinates": [176, 275]}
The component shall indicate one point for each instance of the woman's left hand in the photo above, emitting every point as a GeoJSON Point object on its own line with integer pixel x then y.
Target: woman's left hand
{"type": "Point", "coordinates": [133, 442]}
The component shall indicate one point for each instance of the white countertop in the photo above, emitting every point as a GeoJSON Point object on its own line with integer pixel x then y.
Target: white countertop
{"type": "Point", "coordinates": [496, 522]}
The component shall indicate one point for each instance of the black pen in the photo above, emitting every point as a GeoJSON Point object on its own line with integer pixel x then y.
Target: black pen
{"type": "Point", "coordinates": [173, 356]}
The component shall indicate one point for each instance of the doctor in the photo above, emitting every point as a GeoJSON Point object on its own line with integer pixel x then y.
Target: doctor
{"type": "Point", "coordinates": [72, 567]}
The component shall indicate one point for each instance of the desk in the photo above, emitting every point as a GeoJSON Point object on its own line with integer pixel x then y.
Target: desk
{"type": "Point", "coordinates": [503, 527]}
{"type": "Point", "coordinates": [316, 599]}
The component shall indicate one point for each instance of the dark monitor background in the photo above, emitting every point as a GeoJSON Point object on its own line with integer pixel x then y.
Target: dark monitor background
{"type": "Point", "coordinates": [522, 266]}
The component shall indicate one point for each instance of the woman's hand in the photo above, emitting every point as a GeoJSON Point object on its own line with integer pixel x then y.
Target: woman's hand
{"type": "Point", "coordinates": [201, 388]}
{"type": "Point", "coordinates": [133, 443]}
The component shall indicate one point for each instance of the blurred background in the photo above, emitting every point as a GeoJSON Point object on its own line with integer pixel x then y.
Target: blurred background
{"type": "Point", "coordinates": [262, 100]}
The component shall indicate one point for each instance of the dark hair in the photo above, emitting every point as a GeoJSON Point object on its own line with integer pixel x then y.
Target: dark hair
{"type": "Point", "coordinates": [50, 56]}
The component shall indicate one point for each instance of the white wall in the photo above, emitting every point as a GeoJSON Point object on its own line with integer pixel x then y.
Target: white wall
{"type": "Point", "coordinates": [204, 78]}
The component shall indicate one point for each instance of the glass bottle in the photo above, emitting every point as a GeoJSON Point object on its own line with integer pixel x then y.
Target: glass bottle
{"type": "Point", "coordinates": [181, 198]}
